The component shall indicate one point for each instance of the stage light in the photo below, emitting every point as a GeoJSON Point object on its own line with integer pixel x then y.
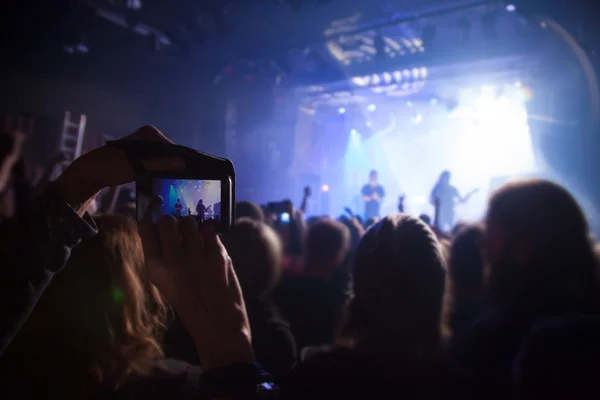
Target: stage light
{"type": "Point", "coordinates": [409, 103]}
{"type": "Point", "coordinates": [371, 107]}
{"type": "Point", "coordinates": [342, 110]}
{"type": "Point", "coordinates": [511, 8]}
{"type": "Point", "coordinates": [416, 72]}
{"type": "Point", "coordinates": [353, 131]}
{"type": "Point", "coordinates": [424, 72]}
{"type": "Point", "coordinates": [387, 78]}
{"type": "Point", "coordinates": [325, 188]}
{"type": "Point", "coordinates": [418, 118]}
{"type": "Point", "coordinates": [375, 79]}
{"type": "Point", "coordinates": [397, 76]}
{"type": "Point", "coordinates": [433, 101]}
{"type": "Point", "coordinates": [406, 73]}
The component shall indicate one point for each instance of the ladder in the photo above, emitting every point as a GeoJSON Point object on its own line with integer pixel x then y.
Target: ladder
{"type": "Point", "coordinates": [71, 141]}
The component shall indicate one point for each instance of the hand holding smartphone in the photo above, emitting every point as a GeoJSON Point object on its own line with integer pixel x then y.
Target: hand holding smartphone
{"type": "Point", "coordinates": [204, 187]}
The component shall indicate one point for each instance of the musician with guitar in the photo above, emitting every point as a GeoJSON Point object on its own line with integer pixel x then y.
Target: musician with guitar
{"type": "Point", "coordinates": [446, 196]}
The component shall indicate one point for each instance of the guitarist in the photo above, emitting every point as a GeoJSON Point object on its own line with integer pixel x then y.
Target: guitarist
{"type": "Point", "coordinates": [445, 196]}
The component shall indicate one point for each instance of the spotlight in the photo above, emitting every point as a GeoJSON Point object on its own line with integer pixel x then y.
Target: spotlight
{"type": "Point", "coordinates": [371, 107]}
{"type": "Point", "coordinates": [342, 110]}
{"type": "Point", "coordinates": [424, 72]}
{"type": "Point", "coordinates": [387, 77]}
{"type": "Point", "coordinates": [397, 76]}
{"type": "Point", "coordinates": [406, 74]}
{"type": "Point", "coordinates": [511, 8]}
{"type": "Point", "coordinates": [353, 131]}
{"type": "Point", "coordinates": [416, 72]}
{"type": "Point", "coordinates": [325, 188]}
{"type": "Point", "coordinates": [375, 79]}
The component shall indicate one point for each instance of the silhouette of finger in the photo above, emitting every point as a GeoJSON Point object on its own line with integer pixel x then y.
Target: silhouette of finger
{"type": "Point", "coordinates": [190, 234]}
{"type": "Point", "coordinates": [168, 232]}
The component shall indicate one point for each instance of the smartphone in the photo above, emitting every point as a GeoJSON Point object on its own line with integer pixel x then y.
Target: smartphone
{"type": "Point", "coordinates": [285, 218]}
{"type": "Point", "coordinates": [203, 186]}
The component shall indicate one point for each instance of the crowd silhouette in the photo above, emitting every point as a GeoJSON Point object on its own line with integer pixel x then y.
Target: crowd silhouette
{"type": "Point", "coordinates": [105, 306]}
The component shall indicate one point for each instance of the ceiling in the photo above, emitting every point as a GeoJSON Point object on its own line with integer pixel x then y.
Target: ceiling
{"type": "Point", "coordinates": [296, 42]}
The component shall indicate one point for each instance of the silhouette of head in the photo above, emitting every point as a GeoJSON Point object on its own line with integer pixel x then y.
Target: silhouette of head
{"type": "Point", "coordinates": [373, 176]}
{"type": "Point", "coordinates": [445, 177]}
{"type": "Point", "coordinates": [537, 240]}
{"type": "Point", "coordinates": [399, 280]}
{"type": "Point", "coordinates": [256, 252]}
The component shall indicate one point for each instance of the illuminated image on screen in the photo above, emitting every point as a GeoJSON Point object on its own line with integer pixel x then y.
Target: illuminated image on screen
{"type": "Point", "coordinates": [183, 197]}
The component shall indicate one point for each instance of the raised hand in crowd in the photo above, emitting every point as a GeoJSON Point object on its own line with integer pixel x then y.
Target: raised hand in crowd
{"type": "Point", "coordinates": [193, 271]}
{"type": "Point", "coordinates": [38, 244]}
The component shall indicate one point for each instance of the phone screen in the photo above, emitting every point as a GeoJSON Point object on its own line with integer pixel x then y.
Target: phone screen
{"type": "Point", "coordinates": [200, 198]}
{"type": "Point", "coordinates": [284, 217]}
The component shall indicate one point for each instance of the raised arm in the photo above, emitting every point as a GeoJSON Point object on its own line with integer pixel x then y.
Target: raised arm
{"type": "Point", "coordinates": [35, 246]}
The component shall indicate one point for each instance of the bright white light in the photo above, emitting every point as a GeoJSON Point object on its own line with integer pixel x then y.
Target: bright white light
{"type": "Point", "coordinates": [375, 79]}
{"type": "Point", "coordinates": [511, 8]}
{"type": "Point", "coordinates": [361, 80]}
{"type": "Point", "coordinates": [406, 73]}
{"type": "Point", "coordinates": [433, 101]}
{"type": "Point", "coordinates": [371, 107]}
{"type": "Point", "coordinates": [387, 77]}
{"type": "Point", "coordinates": [325, 188]}
{"type": "Point", "coordinates": [518, 84]}
{"type": "Point", "coordinates": [342, 110]}
{"type": "Point", "coordinates": [409, 103]}
{"type": "Point", "coordinates": [416, 72]}
{"type": "Point", "coordinates": [420, 200]}
{"type": "Point", "coordinates": [472, 141]}
{"type": "Point", "coordinates": [397, 76]}
{"type": "Point", "coordinates": [353, 131]}
{"type": "Point", "coordinates": [424, 72]}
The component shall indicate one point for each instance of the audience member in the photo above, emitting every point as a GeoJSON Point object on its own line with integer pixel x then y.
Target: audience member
{"type": "Point", "coordinates": [312, 303]}
{"type": "Point", "coordinates": [559, 360]}
{"type": "Point", "coordinates": [246, 209]}
{"type": "Point", "coordinates": [541, 264]}
{"type": "Point", "coordinates": [390, 341]}
{"type": "Point", "coordinates": [426, 219]}
{"type": "Point", "coordinates": [466, 274]}
{"type": "Point", "coordinates": [97, 328]}
{"type": "Point", "coordinates": [256, 253]}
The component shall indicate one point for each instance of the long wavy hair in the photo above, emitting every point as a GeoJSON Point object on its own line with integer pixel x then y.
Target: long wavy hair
{"type": "Point", "coordinates": [100, 321]}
